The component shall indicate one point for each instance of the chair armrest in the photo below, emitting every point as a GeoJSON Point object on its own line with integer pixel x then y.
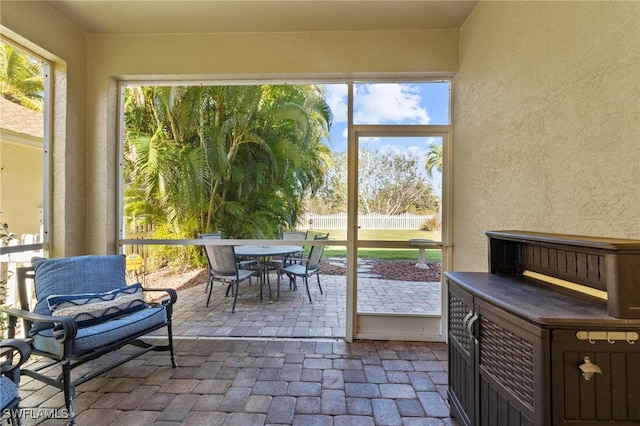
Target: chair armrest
{"type": "Point", "coordinates": [173, 295]}
{"type": "Point", "coordinates": [14, 346]}
{"type": "Point", "coordinates": [302, 260]}
{"type": "Point", "coordinates": [69, 326]}
{"type": "Point", "coordinates": [167, 303]}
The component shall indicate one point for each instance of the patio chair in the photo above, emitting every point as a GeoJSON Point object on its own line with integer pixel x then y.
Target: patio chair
{"type": "Point", "coordinates": [306, 268]}
{"type": "Point", "coordinates": [13, 353]}
{"type": "Point", "coordinates": [294, 235]}
{"type": "Point", "coordinates": [243, 263]}
{"type": "Point", "coordinates": [84, 309]}
{"type": "Point", "coordinates": [297, 236]}
{"type": "Point", "coordinates": [224, 267]}
{"type": "Point", "coordinates": [309, 236]}
{"type": "Point", "coordinates": [277, 263]}
{"type": "Point", "coordinates": [215, 236]}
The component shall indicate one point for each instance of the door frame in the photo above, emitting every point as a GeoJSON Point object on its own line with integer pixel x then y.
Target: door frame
{"type": "Point", "coordinates": [402, 326]}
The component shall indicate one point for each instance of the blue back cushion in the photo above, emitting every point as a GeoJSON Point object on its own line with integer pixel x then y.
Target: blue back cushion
{"type": "Point", "coordinates": [75, 275]}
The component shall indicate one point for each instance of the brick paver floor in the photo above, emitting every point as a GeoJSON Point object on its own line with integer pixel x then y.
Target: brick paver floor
{"type": "Point", "coordinates": [293, 315]}
{"type": "Point", "coordinates": [271, 362]}
{"type": "Point", "coordinates": [260, 382]}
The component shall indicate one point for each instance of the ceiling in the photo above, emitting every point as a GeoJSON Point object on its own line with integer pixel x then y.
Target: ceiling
{"type": "Point", "coordinates": [208, 16]}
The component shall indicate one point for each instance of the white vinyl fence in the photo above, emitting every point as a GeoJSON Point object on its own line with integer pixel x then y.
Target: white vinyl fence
{"type": "Point", "coordinates": [370, 221]}
{"type": "Point", "coordinates": [321, 221]}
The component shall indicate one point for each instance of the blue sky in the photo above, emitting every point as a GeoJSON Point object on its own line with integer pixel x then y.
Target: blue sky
{"type": "Point", "coordinates": [387, 103]}
{"type": "Point", "coordinates": [390, 103]}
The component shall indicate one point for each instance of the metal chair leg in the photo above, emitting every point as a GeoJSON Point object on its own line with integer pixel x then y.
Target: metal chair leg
{"type": "Point", "coordinates": [306, 283]}
{"type": "Point", "coordinates": [235, 297]}
{"type": "Point", "coordinates": [174, 364]}
{"type": "Point", "coordinates": [69, 390]}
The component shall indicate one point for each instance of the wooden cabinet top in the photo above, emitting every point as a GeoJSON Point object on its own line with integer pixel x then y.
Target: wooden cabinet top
{"type": "Point", "coordinates": [600, 243]}
{"type": "Point", "coordinates": [605, 267]}
{"type": "Point", "coordinates": [537, 302]}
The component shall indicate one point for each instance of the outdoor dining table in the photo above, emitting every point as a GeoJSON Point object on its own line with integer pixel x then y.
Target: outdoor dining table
{"type": "Point", "coordinates": [262, 253]}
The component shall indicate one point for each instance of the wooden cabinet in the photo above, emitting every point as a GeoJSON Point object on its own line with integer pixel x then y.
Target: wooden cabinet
{"type": "Point", "coordinates": [518, 347]}
{"type": "Point", "coordinates": [496, 363]}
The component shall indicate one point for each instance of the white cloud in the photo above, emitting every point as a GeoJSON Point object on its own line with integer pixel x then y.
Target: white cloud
{"type": "Point", "coordinates": [337, 100]}
{"type": "Point", "coordinates": [374, 104]}
{"type": "Point", "coordinates": [388, 103]}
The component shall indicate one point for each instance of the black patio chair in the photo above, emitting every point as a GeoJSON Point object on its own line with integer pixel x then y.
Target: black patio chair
{"type": "Point", "coordinates": [215, 236]}
{"type": "Point", "coordinates": [224, 267]}
{"type": "Point", "coordinates": [306, 268]}
{"type": "Point", "coordinates": [279, 262]}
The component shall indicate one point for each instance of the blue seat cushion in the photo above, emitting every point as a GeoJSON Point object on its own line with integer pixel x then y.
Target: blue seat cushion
{"type": "Point", "coordinates": [99, 335]}
{"type": "Point", "coordinates": [8, 392]}
{"type": "Point", "coordinates": [75, 275]}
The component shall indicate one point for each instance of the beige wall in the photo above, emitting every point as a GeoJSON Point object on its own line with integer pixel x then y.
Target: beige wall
{"type": "Point", "coordinates": [547, 122]}
{"type": "Point", "coordinates": [33, 25]}
{"type": "Point", "coordinates": [21, 187]}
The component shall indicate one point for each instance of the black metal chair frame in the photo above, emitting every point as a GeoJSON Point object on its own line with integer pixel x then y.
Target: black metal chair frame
{"type": "Point", "coordinates": [311, 267]}
{"type": "Point", "coordinates": [12, 349]}
{"type": "Point", "coordinates": [227, 270]}
{"type": "Point", "coordinates": [68, 333]}
{"type": "Point", "coordinates": [211, 235]}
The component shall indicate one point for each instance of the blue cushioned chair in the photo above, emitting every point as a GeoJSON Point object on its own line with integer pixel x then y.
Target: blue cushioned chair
{"type": "Point", "coordinates": [84, 309]}
{"type": "Point", "coordinates": [13, 353]}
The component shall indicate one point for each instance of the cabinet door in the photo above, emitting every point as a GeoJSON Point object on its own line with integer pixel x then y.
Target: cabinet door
{"type": "Point", "coordinates": [462, 388]}
{"type": "Point", "coordinates": [512, 369]}
{"type": "Point", "coordinates": [611, 396]}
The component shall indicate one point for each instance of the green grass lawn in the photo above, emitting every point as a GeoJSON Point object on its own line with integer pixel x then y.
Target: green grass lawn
{"type": "Point", "coordinates": [433, 255]}
{"type": "Point", "coordinates": [385, 254]}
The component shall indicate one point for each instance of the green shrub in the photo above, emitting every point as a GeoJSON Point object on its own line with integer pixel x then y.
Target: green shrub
{"type": "Point", "coordinates": [174, 256]}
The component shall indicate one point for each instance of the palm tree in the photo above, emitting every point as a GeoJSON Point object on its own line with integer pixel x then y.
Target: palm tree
{"type": "Point", "coordinates": [434, 162]}
{"type": "Point", "coordinates": [434, 159]}
{"type": "Point", "coordinates": [235, 159]}
{"type": "Point", "coordinates": [21, 79]}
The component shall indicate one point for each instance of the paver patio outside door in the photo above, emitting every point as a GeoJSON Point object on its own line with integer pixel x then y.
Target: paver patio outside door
{"type": "Point", "coordinates": [398, 309]}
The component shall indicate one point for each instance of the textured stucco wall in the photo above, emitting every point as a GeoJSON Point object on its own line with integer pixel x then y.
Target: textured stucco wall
{"type": "Point", "coordinates": [547, 122]}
